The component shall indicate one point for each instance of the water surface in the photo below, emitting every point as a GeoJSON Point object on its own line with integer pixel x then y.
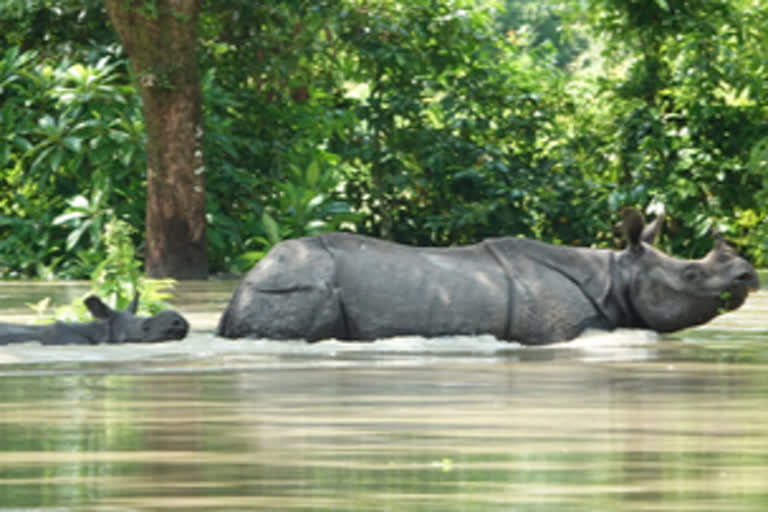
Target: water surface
{"type": "Point", "coordinates": [612, 421]}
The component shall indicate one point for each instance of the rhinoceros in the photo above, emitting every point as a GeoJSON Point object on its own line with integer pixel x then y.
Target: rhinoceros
{"type": "Point", "coordinates": [353, 287]}
{"type": "Point", "coordinates": [110, 327]}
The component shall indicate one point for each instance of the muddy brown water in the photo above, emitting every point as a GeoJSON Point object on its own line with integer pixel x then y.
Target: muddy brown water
{"type": "Point", "coordinates": [612, 421]}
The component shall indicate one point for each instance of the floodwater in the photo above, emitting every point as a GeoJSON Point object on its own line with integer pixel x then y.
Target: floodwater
{"type": "Point", "coordinates": [611, 421]}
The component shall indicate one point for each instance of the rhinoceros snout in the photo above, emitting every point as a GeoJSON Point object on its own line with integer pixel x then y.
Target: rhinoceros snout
{"type": "Point", "coordinates": [742, 284]}
{"type": "Point", "coordinates": [166, 325]}
{"type": "Point", "coordinates": [178, 329]}
{"type": "Point", "coordinates": [749, 280]}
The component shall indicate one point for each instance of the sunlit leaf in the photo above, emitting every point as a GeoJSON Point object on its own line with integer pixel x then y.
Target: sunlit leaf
{"type": "Point", "coordinates": [79, 201]}
{"type": "Point", "coordinates": [66, 217]}
{"type": "Point", "coordinates": [271, 228]}
{"type": "Point", "coordinates": [74, 236]}
{"type": "Point", "coordinates": [313, 173]}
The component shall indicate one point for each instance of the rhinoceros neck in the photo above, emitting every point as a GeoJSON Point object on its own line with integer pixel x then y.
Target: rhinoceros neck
{"type": "Point", "coordinates": [619, 300]}
{"type": "Point", "coordinates": [596, 294]}
{"type": "Point", "coordinates": [599, 275]}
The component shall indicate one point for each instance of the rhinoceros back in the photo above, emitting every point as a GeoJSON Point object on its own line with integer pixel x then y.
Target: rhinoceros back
{"type": "Point", "coordinates": [389, 289]}
{"type": "Point", "coordinates": [355, 287]}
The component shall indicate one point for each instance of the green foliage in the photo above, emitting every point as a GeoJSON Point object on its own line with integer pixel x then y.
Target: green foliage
{"type": "Point", "coordinates": [304, 208]}
{"type": "Point", "coordinates": [270, 111]}
{"type": "Point", "coordinates": [539, 23]}
{"type": "Point", "coordinates": [685, 115]}
{"type": "Point", "coordinates": [116, 279]}
{"type": "Point", "coordinates": [120, 275]}
{"type": "Point", "coordinates": [72, 132]}
{"type": "Point", "coordinates": [424, 122]}
{"type": "Point", "coordinates": [448, 151]}
{"type": "Point", "coordinates": [428, 122]}
{"type": "Point", "coordinates": [303, 205]}
{"type": "Point", "coordinates": [76, 28]}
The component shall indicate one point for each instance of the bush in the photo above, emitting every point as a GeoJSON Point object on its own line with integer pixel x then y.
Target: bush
{"type": "Point", "coordinates": [73, 142]}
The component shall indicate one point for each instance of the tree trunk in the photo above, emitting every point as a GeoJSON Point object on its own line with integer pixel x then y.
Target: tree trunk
{"type": "Point", "coordinates": [160, 39]}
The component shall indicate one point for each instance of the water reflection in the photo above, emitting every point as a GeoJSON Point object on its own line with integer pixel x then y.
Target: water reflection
{"type": "Point", "coordinates": [454, 437]}
{"type": "Point", "coordinates": [619, 421]}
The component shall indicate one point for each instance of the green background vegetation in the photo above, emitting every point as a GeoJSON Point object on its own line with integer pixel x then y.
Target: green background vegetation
{"type": "Point", "coordinates": [428, 122]}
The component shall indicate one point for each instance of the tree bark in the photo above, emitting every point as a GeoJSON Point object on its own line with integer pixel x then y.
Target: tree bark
{"type": "Point", "coordinates": [160, 38]}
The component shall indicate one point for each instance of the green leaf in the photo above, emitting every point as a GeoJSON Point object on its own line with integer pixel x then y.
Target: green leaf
{"type": "Point", "coordinates": [76, 234]}
{"type": "Point", "coordinates": [56, 159]}
{"type": "Point", "coordinates": [79, 201]}
{"type": "Point", "coordinates": [22, 143]}
{"type": "Point", "coordinates": [66, 217]}
{"type": "Point", "coordinates": [315, 201]}
{"type": "Point", "coordinates": [47, 123]}
{"type": "Point", "coordinates": [250, 258]}
{"type": "Point", "coordinates": [41, 156]}
{"type": "Point", "coordinates": [315, 226]}
{"type": "Point", "coordinates": [271, 228]}
{"type": "Point", "coordinates": [313, 174]}
{"type": "Point", "coordinates": [73, 143]}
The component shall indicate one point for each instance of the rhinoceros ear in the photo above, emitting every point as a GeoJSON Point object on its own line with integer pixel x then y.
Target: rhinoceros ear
{"type": "Point", "coordinates": [652, 230]}
{"type": "Point", "coordinates": [632, 224]}
{"type": "Point", "coordinates": [133, 307]}
{"type": "Point", "coordinates": [722, 249]}
{"type": "Point", "coordinates": [719, 239]}
{"type": "Point", "coordinates": [98, 309]}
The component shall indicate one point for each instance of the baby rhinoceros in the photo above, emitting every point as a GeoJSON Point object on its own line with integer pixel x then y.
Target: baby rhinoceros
{"type": "Point", "coordinates": [110, 327]}
{"type": "Point", "coordinates": [352, 287]}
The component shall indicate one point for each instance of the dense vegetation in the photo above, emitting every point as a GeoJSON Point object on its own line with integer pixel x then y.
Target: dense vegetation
{"type": "Point", "coordinates": [428, 121]}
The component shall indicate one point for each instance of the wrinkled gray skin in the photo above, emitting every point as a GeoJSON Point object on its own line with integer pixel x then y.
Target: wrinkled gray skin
{"type": "Point", "coordinates": [353, 287]}
{"type": "Point", "coordinates": [111, 327]}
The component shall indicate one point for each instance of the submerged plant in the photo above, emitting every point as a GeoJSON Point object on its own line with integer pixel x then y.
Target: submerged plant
{"type": "Point", "coordinates": [116, 280]}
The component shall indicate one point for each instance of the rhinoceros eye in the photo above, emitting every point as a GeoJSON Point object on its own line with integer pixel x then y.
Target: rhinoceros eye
{"type": "Point", "coordinates": [692, 273]}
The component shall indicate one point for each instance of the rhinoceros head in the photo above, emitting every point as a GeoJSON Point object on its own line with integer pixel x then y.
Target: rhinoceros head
{"type": "Point", "coordinates": [125, 326]}
{"type": "Point", "coordinates": [668, 293]}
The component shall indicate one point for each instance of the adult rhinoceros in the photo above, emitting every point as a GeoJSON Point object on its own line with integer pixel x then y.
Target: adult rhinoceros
{"type": "Point", "coordinates": [110, 327]}
{"type": "Point", "coordinates": [353, 287]}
